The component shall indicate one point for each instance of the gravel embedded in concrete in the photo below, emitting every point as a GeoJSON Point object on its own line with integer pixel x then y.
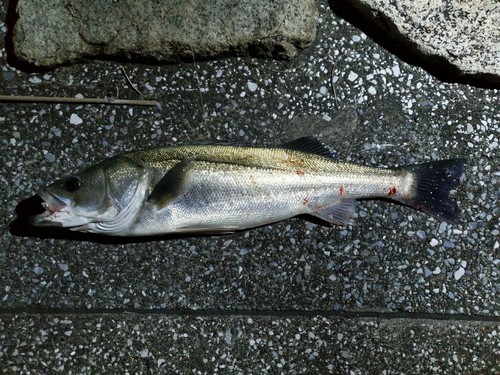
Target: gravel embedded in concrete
{"type": "Point", "coordinates": [245, 344]}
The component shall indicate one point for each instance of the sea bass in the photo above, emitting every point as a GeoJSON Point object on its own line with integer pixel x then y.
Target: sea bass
{"type": "Point", "coordinates": [217, 188]}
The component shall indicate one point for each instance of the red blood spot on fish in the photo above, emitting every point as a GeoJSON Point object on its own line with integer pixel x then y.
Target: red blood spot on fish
{"type": "Point", "coordinates": [341, 190]}
{"type": "Point", "coordinates": [392, 191]}
{"type": "Point", "coordinates": [299, 172]}
{"type": "Point", "coordinates": [305, 201]}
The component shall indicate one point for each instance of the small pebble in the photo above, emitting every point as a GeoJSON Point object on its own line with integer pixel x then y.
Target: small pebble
{"type": "Point", "coordinates": [421, 234]}
{"type": "Point", "coordinates": [352, 76]}
{"type": "Point", "coordinates": [63, 266]}
{"type": "Point", "coordinates": [75, 119]}
{"type": "Point", "coordinates": [459, 273]}
{"type": "Point", "coordinates": [50, 157]}
{"type": "Point", "coordinates": [8, 75]}
{"type": "Point", "coordinates": [252, 86]}
{"type": "Point", "coordinates": [35, 80]}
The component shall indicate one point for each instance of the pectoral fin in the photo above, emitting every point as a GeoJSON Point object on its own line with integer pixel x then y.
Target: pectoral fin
{"type": "Point", "coordinates": [171, 185]}
{"type": "Point", "coordinates": [342, 213]}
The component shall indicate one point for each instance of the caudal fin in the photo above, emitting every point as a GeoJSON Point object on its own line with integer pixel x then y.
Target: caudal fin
{"type": "Point", "coordinates": [431, 190]}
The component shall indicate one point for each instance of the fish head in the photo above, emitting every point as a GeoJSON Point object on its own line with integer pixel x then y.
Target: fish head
{"type": "Point", "coordinates": [98, 197]}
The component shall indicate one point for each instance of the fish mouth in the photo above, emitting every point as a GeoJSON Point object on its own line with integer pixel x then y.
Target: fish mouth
{"type": "Point", "coordinates": [57, 210]}
{"type": "Point", "coordinates": [60, 212]}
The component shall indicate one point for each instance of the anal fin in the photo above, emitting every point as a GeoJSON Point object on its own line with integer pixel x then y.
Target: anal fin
{"type": "Point", "coordinates": [342, 213]}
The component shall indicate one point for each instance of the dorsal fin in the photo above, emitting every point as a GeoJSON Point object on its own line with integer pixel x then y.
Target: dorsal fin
{"type": "Point", "coordinates": [310, 145]}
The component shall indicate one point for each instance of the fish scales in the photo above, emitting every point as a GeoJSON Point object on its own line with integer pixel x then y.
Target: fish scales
{"type": "Point", "coordinates": [360, 179]}
{"type": "Point", "coordinates": [231, 196]}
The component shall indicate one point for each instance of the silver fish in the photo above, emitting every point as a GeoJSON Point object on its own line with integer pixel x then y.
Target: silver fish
{"type": "Point", "coordinates": [211, 188]}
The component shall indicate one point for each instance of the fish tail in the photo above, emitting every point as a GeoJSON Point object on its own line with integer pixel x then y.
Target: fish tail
{"type": "Point", "coordinates": [432, 183]}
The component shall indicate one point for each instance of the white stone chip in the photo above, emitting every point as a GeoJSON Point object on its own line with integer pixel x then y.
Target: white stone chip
{"type": "Point", "coordinates": [372, 90]}
{"type": "Point", "coordinates": [459, 273]}
{"type": "Point", "coordinates": [434, 242]}
{"type": "Point", "coordinates": [35, 80]}
{"type": "Point", "coordinates": [252, 86]}
{"type": "Point", "coordinates": [352, 76]}
{"type": "Point", "coordinates": [442, 227]}
{"type": "Point", "coordinates": [75, 119]}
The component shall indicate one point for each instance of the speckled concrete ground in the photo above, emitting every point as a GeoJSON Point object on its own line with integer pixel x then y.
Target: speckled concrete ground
{"type": "Point", "coordinates": [397, 293]}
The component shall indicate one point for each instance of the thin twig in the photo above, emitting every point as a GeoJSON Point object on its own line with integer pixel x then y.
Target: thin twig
{"type": "Point", "coordinates": [56, 99]}
{"type": "Point", "coordinates": [130, 82]}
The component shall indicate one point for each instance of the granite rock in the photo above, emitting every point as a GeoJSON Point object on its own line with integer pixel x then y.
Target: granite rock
{"type": "Point", "coordinates": [55, 32]}
{"type": "Point", "coordinates": [454, 40]}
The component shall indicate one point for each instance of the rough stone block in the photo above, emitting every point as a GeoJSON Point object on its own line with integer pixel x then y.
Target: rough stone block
{"type": "Point", "coordinates": [57, 32]}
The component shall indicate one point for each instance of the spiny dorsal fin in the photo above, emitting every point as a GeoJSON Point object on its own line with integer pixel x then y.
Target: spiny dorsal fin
{"type": "Point", "coordinates": [310, 145]}
{"type": "Point", "coordinates": [171, 184]}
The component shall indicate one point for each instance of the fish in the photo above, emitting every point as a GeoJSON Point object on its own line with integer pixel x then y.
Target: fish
{"type": "Point", "coordinates": [214, 188]}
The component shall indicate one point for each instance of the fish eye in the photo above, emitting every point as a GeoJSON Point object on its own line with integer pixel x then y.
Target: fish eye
{"type": "Point", "coordinates": [72, 183]}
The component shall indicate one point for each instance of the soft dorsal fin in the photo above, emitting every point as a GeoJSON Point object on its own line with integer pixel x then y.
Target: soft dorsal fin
{"type": "Point", "coordinates": [171, 184]}
{"type": "Point", "coordinates": [310, 145]}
